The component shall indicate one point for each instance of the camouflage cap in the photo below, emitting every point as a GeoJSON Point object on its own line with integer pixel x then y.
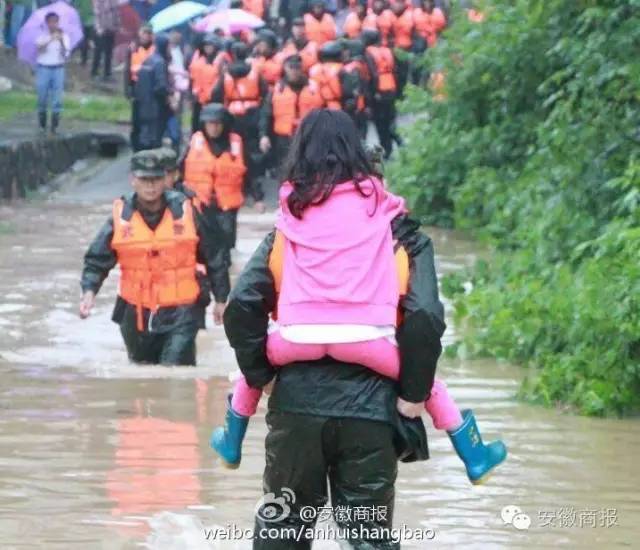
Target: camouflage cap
{"type": "Point", "coordinates": [169, 158]}
{"type": "Point", "coordinates": [147, 164]}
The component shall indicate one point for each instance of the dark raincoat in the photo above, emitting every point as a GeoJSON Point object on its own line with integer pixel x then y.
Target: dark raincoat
{"type": "Point", "coordinates": [151, 93]}
{"type": "Point", "coordinates": [227, 220]}
{"type": "Point", "coordinates": [335, 419]}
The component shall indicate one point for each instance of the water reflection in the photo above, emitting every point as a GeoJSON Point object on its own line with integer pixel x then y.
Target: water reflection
{"type": "Point", "coordinates": [155, 466]}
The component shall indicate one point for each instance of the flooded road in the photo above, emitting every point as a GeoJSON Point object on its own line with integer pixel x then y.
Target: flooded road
{"type": "Point", "coordinates": [98, 453]}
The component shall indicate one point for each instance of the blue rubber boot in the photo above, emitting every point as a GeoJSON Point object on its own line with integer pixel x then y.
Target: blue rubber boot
{"type": "Point", "coordinates": [479, 459]}
{"type": "Point", "coordinates": [227, 441]}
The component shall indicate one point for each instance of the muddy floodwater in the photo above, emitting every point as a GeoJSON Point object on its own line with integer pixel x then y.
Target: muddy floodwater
{"type": "Point", "coordinates": [98, 453]}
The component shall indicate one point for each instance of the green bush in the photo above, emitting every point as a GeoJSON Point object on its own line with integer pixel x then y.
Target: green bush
{"type": "Point", "coordinates": [87, 107]}
{"type": "Point", "coordinates": [537, 150]}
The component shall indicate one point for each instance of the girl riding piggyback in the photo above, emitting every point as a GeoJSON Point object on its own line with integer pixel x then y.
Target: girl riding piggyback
{"type": "Point", "coordinates": [354, 280]}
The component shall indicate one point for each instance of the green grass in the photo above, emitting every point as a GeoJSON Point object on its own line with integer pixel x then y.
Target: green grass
{"type": "Point", "coordinates": [13, 103]}
{"type": "Point", "coordinates": [6, 228]}
{"type": "Point", "coordinates": [86, 107]}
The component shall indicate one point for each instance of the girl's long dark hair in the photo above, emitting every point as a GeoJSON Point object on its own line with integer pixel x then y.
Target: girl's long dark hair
{"type": "Point", "coordinates": [326, 150]}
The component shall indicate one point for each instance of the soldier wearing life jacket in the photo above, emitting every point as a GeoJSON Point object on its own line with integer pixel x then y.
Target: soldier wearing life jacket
{"type": "Point", "coordinates": [157, 239]}
{"type": "Point", "coordinates": [403, 31]}
{"type": "Point", "coordinates": [214, 167]}
{"type": "Point", "coordinates": [242, 91]}
{"type": "Point", "coordinates": [358, 19]}
{"type": "Point", "coordinates": [383, 87]}
{"type": "Point", "coordinates": [385, 20]}
{"type": "Point", "coordinates": [403, 24]}
{"type": "Point", "coordinates": [329, 74]}
{"type": "Point", "coordinates": [137, 54]}
{"type": "Point", "coordinates": [173, 182]}
{"type": "Point", "coordinates": [266, 57]}
{"type": "Point", "coordinates": [205, 69]}
{"type": "Point", "coordinates": [299, 44]}
{"type": "Point", "coordinates": [291, 100]}
{"type": "Point", "coordinates": [355, 66]}
{"type": "Point", "coordinates": [319, 24]}
{"type": "Point", "coordinates": [429, 23]}
{"type": "Point", "coordinates": [151, 95]}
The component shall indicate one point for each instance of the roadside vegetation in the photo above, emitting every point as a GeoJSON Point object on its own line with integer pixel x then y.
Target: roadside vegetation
{"type": "Point", "coordinates": [536, 151]}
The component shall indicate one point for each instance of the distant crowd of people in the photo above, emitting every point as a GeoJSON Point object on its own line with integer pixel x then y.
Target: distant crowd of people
{"type": "Point", "coordinates": [354, 55]}
{"type": "Point", "coordinates": [270, 78]}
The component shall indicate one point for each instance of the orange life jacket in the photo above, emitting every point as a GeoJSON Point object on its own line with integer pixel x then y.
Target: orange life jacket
{"type": "Point", "coordinates": [290, 107]}
{"type": "Point", "coordinates": [309, 54]}
{"type": "Point", "coordinates": [270, 69]}
{"type": "Point", "coordinates": [243, 93]}
{"type": "Point", "coordinates": [205, 76]}
{"type": "Point", "coordinates": [385, 64]}
{"type": "Point", "coordinates": [327, 77]}
{"type": "Point", "coordinates": [276, 265]}
{"type": "Point", "coordinates": [428, 25]}
{"type": "Point", "coordinates": [256, 7]}
{"type": "Point", "coordinates": [370, 22]}
{"type": "Point", "coordinates": [353, 25]}
{"type": "Point", "coordinates": [403, 26]}
{"type": "Point", "coordinates": [196, 59]}
{"type": "Point", "coordinates": [157, 267]}
{"type": "Point", "coordinates": [138, 57]}
{"type": "Point", "coordinates": [320, 31]}
{"type": "Point", "coordinates": [384, 23]}
{"type": "Point", "coordinates": [216, 178]}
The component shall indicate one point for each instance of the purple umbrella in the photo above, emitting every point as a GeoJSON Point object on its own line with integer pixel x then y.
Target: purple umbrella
{"type": "Point", "coordinates": [35, 26]}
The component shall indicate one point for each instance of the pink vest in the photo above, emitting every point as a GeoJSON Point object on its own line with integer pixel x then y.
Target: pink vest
{"type": "Point", "coordinates": [339, 263]}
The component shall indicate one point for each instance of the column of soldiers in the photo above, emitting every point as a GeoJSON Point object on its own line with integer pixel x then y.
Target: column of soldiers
{"type": "Point", "coordinates": [361, 68]}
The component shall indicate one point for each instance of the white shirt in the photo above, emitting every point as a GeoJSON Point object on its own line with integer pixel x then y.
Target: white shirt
{"type": "Point", "coordinates": [52, 52]}
{"type": "Point", "coordinates": [333, 334]}
{"type": "Point", "coordinates": [177, 57]}
{"type": "Point", "coordinates": [179, 75]}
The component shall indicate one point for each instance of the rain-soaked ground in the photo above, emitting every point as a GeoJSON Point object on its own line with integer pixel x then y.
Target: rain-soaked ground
{"type": "Point", "coordinates": [98, 453]}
